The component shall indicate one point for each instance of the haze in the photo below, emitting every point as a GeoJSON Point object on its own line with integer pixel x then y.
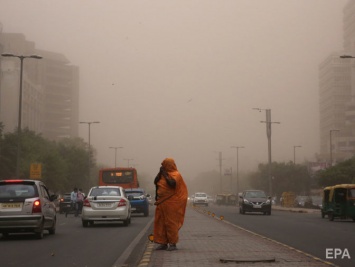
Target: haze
{"type": "Point", "coordinates": [181, 78]}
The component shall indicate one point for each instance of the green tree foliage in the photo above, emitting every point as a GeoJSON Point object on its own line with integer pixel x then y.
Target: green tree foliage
{"type": "Point", "coordinates": [342, 173]}
{"type": "Point", "coordinates": [285, 177]}
{"type": "Point", "coordinates": [64, 164]}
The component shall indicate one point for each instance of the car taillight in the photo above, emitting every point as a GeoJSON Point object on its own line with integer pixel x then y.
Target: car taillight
{"type": "Point", "coordinates": [86, 203]}
{"type": "Point", "coordinates": [122, 202]}
{"type": "Point", "coordinates": [37, 208]}
{"type": "Point", "coordinates": [62, 199]}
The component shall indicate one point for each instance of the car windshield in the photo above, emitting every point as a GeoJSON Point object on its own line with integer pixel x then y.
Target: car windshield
{"type": "Point", "coordinates": [255, 194]}
{"type": "Point", "coordinates": [15, 190]}
{"type": "Point", "coordinates": [200, 195]}
{"type": "Point", "coordinates": [95, 192]}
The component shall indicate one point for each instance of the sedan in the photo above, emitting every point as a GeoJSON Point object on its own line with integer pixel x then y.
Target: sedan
{"type": "Point", "coordinates": [254, 201]}
{"type": "Point", "coordinates": [106, 204]}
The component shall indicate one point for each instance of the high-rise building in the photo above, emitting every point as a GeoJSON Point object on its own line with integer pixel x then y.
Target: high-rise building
{"type": "Point", "coordinates": [50, 98]}
{"type": "Point", "coordinates": [337, 96]}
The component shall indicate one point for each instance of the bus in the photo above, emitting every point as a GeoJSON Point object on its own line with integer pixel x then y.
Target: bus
{"type": "Point", "coordinates": [124, 177]}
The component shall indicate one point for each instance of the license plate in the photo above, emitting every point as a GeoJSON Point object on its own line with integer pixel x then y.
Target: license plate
{"type": "Point", "coordinates": [10, 205]}
{"type": "Point", "coordinates": [133, 208]}
{"type": "Point", "coordinates": [68, 205]}
{"type": "Point", "coordinates": [257, 206]}
{"type": "Point", "coordinates": [104, 205]}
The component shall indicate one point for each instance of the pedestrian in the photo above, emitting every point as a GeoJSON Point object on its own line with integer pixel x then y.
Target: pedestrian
{"type": "Point", "coordinates": [74, 200]}
{"type": "Point", "coordinates": [80, 199]}
{"type": "Point", "coordinates": [171, 199]}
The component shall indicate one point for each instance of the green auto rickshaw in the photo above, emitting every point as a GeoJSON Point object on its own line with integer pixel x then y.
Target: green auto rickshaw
{"type": "Point", "coordinates": [325, 200]}
{"type": "Point", "coordinates": [341, 202]}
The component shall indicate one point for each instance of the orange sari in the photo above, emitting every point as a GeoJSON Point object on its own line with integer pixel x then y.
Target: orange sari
{"type": "Point", "coordinates": [171, 205]}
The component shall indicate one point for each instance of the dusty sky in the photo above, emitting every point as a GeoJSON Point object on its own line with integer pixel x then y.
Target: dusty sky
{"type": "Point", "coordinates": [180, 78]}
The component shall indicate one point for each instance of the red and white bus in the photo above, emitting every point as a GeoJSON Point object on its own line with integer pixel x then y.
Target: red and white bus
{"type": "Point", "coordinates": [125, 177]}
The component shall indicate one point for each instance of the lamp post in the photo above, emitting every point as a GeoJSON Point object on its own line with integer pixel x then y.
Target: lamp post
{"type": "Point", "coordinates": [268, 123]}
{"type": "Point", "coordinates": [115, 148]}
{"type": "Point", "coordinates": [294, 154]}
{"type": "Point", "coordinates": [21, 57]}
{"type": "Point", "coordinates": [128, 160]}
{"type": "Point", "coordinates": [331, 146]}
{"type": "Point", "coordinates": [237, 148]}
{"type": "Point", "coordinates": [89, 149]}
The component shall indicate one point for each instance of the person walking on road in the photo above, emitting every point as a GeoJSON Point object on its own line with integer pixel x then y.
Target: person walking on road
{"type": "Point", "coordinates": [171, 199]}
{"type": "Point", "coordinates": [74, 201]}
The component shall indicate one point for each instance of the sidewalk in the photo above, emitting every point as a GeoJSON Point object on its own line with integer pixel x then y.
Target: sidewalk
{"type": "Point", "coordinates": [210, 241]}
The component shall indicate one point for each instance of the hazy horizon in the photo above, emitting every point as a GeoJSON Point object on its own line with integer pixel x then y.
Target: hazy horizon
{"type": "Point", "coordinates": [181, 78]}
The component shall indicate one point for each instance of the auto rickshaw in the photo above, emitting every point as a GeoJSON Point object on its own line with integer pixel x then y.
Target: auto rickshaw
{"type": "Point", "coordinates": [341, 202]}
{"type": "Point", "coordinates": [325, 200]}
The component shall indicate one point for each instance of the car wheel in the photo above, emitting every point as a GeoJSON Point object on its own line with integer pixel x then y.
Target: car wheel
{"type": "Point", "coordinates": [126, 222]}
{"type": "Point", "coordinates": [39, 233]}
{"type": "Point", "coordinates": [323, 214]}
{"type": "Point", "coordinates": [85, 223]}
{"type": "Point", "coordinates": [269, 212]}
{"type": "Point", "coordinates": [52, 229]}
{"type": "Point", "coordinates": [146, 213]}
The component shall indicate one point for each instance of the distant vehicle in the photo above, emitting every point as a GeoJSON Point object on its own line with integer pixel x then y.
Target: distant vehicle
{"type": "Point", "coordinates": [316, 202]}
{"type": "Point", "coordinates": [26, 206]}
{"type": "Point", "coordinates": [200, 199]}
{"type": "Point", "coordinates": [124, 177]}
{"type": "Point", "coordinates": [303, 202]}
{"type": "Point", "coordinates": [139, 200]}
{"type": "Point", "coordinates": [255, 201]}
{"type": "Point", "coordinates": [106, 204]}
{"type": "Point", "coordinates": [64, 203]}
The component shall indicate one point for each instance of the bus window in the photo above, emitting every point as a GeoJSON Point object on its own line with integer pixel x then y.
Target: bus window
{"type": "Point", "coordinates": [124, 177]}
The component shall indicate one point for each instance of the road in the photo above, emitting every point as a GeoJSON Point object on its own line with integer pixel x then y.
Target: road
{"type": "Point", "coordinates": [73, 245]}
{"type": "Point", "coordinates": [307, 232]}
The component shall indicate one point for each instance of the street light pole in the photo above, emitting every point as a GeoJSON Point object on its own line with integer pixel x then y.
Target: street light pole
{"type": "Point", "coordinates": [294, 154]}
{"type": "Point", "coordinates": [115, 148]}
{"type": "Point", "coordinates": [21, 57]}
{"type": "Point", "coordinates": [128, 160]}
{"type": "Point", "coordinates": [268, 123]}
{"type": "Point", "coordinates": [89, 149]}
{"type": "Point", "coordinates": [237, 148]}
{"type": "Point", "coordinates": [331, 146]}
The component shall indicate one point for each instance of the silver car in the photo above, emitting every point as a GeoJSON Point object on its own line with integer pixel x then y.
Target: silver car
{"type": "Point", "coordinates": [106, 203]}
{"type": "Point", "coordinates": [26, 206]}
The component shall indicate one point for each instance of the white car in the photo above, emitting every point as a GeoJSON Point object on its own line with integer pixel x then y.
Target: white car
{"type": "Point", "coordinates": [200, 199]}
{"type": "Point", "coordinates": [106, 203]}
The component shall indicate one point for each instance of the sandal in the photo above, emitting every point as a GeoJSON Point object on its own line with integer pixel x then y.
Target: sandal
{"type": "Point", "coordinates": [162, 247]}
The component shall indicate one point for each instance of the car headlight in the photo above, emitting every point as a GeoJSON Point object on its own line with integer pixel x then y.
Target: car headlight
{"type": "Point", "coordinates": [245, 201]}
{"type": "Point", "coordinates": [268, 201]}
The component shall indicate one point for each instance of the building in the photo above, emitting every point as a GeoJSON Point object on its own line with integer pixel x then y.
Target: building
{"type": "Point", "coordinates": [50, 98]}
{"type": "Point", "coordinates": [337, 97]}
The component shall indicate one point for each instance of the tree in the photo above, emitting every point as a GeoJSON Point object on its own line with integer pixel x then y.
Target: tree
{"type": "Point", "coordinates": [342, 173]}
{"type": "Point", "coordinates": [285, 177]}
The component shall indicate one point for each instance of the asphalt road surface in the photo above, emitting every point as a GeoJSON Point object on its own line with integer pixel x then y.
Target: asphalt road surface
{"type": "Point", "coordinates": [307, 232]}
{"type": "Point", "coordinates": [73, 245]}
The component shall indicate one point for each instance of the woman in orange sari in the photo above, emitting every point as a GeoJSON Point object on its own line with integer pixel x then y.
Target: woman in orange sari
{"type": "Point", "coordinates": [171, 200]}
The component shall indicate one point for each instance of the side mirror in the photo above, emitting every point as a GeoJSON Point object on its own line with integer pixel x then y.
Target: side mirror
{"type": "Point", "coordinates": [148, 195]}
{"type": "Point", "coordinates": [53, 197]}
